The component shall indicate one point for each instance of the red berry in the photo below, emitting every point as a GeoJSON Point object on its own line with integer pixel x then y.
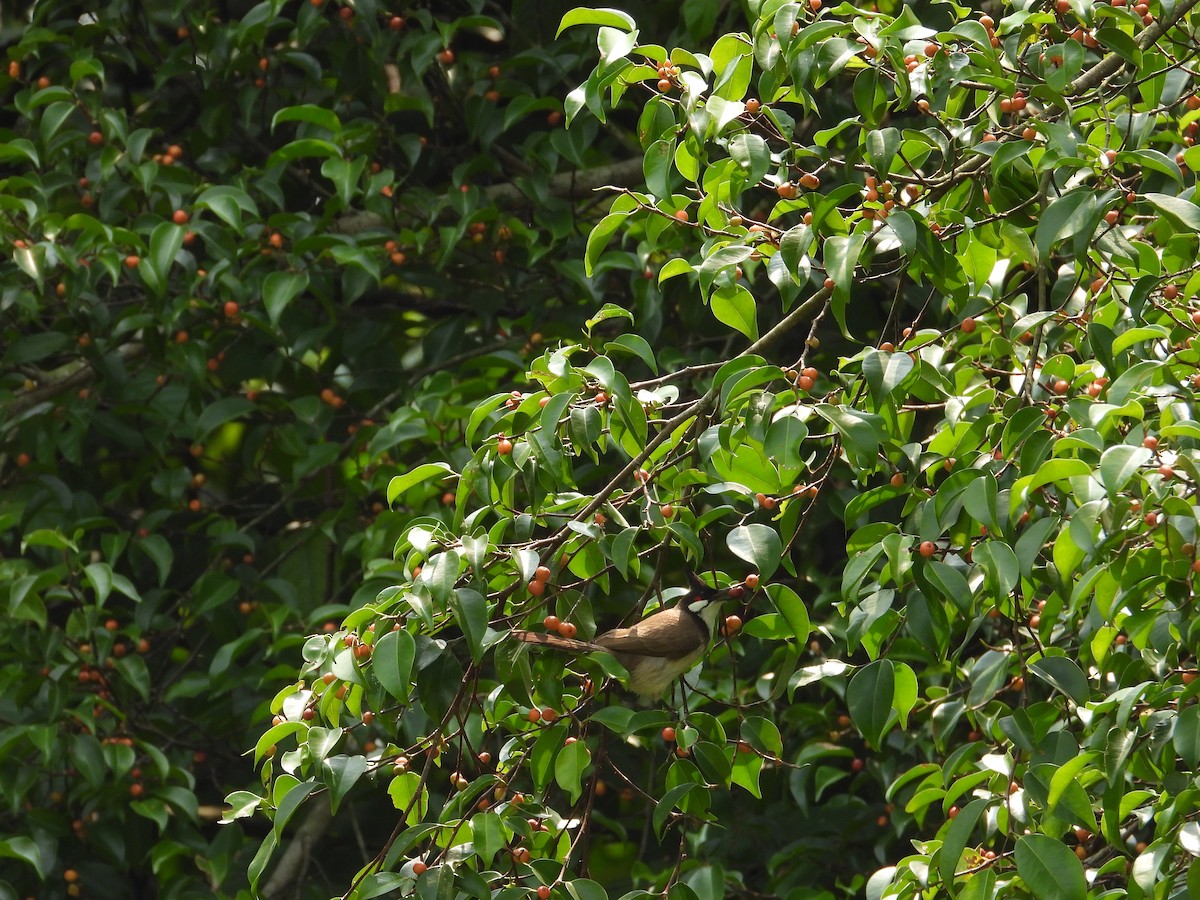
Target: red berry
{"type": "Point", "coordinates": [179, 217]}
{"type": "Point", "coordinates": [419, 868]}
{"type": "Point", "coordinates": [668, 734]}
{"type": "Point", "coordinates": [504, 446]}
{"type": "Point", "coordinates": [927, 549]}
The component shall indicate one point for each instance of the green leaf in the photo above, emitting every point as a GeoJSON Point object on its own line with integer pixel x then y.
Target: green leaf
{"type": "Point", "coordinates": [758, 545]}
{"type": "Point", "coordinates": [671, 799]}
{"type": "Point", "coordinates": [582, 15]}
{"type": "Point", "coordinates": [735, 306]}
{"type": "Point", "coordinates": [400, 484]}
{"type": "Point", "coordinates": [100, 576]}
{"type": "Point", "coordinates": [841, 259]}
{"type": "Point", "coordinates": [219, 412]}
{"type": "Point", "coordinates": [310, 114]}
{"type": "Point", "coordinates": [280, 289]}
{"type": "Point", "coordinates": [1050, 870]}
{"type": "Point", "coordinates": [885, 371]}
{"type": "Point", "coordinates": [488, 835]}
{"type": "Point", "coordinates": [165, 243]}
{"type": "Point", "coordinates": [1064, 217]}
{"type": "Point", "coordinates": [1120, 463]}
{"type": "Point", "coordinates": [26, 850]}
{"type": "Point", "coordinates": [598, 239]}
{"type": "Point", "coordinates": [228, 203]}
{"type": "Point", "coordinates": [957, 835]}
{"type": "Point", "coordinates": [1065, 675]}
{"type": "Point", "coordinates": [656, 167]}
{"type": "Point", "coordinates": [340, 774]}
{"type": "Point", "coordinates": [392, 662]}
{"type": "Point", "coordinates": [1187, 735]}
{"type": "Point", "coordinates": [793, 610]}
{"type": "Point", "coordinates": [1183, 214]}
{"type": "Point", "coordinates": [471, 612]}
{"type": "Point", "coordinates": [752, 154]}
{"type": "Point", "coordinates": [569, 767]}
{"type": "Point", "coordinates": [870, 697]}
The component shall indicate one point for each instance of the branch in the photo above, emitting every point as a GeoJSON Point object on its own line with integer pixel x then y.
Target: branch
{"type": "Point", "coordinates": [1112, 63]}
{"type": "Point", "coordinates": [575, 184]}
{"type": "Point", "coordinates": [294, 862]}
{"type": "Point", "coordinates": [72, 376]}
{"type": "Point", "coordinates": [696, 408]}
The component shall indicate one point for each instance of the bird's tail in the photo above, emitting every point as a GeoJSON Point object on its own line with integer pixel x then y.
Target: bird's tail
{"type": "Point", "coordinates": [556, 641]}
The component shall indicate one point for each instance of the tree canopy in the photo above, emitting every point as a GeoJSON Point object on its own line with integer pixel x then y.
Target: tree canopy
{"type": "Point", "coordinates": [339, 340]}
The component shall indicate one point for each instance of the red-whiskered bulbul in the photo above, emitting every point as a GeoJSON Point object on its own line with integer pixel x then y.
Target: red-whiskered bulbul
{"type": "Point", "coordinates": [658, 649]}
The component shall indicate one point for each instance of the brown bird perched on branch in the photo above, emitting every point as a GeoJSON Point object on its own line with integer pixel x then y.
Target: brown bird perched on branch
{"type": "Point", "coordinates": [658, 649]}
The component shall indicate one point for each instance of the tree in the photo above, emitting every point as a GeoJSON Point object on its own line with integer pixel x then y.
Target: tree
{"type": "Point", "coordinates": [919, 276]}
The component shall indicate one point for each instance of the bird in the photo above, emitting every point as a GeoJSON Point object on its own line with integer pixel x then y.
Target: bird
{"type": "Point", "coordinates": [661, 647]}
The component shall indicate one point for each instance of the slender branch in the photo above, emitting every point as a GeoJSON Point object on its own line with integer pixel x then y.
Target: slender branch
{"type": "Point", "coordinates": [1113, 62]}
{"type": "Point", "coordinates": [696, 408]}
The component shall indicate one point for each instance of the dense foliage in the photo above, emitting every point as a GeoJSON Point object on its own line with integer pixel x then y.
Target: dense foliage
{"type": "Point", "coordinates": [325, 367]}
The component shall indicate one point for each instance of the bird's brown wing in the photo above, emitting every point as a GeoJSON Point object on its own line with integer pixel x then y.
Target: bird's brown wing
{"type": "Point", "coordinates": [662, 634]}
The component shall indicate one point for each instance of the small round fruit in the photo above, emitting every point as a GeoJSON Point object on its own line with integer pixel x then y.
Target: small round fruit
{"type": "Point", "coordinates": [753, 106]}
{"type": "Point", "coordinates": [446, 57]}
{"type": "Point", "coordinates": [96, 138]}
{"type": "Point", "coordinates": [665, 85]}
{"type": "Point", "coordinates": [681, 215]}
{"type": "Point", "coordinates": [504, 446]}
{"type": "Point", "coordinates": [897, 480]}
{"type": "Point", "coordinates": [552, 623]}
{"type": "Point", "coordinates": [667, 510]}
{"type": "Point", "coordinates": [231, 309]}
{"type": "Point", "coordinates": [752, 580]}
{"type": "Point", "coordinates": [927, 549]}
{"type": "Point", "coordinates": [810, 182]}
{"type": "Point", "coordinates": [534, 715]}
{"type": "Point", "coordinates": [1061, 386]}
{"type": "Point", "coordinates": [968, 325]}
{"type": "Point", "coordinates": [536, 588]}
{"type": "Point", "coordinates": [541, 573]}
{"type": "Point", "coordinates": [668, 734]}
{"type": "Point", "coordinates": [549, 715]}
{"type": "Point", "coordinates": [733, 624]}
{"type": "Point", "coordinates": [567, 630]}
{"type": "Point", "coordinates": [419, 868]}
